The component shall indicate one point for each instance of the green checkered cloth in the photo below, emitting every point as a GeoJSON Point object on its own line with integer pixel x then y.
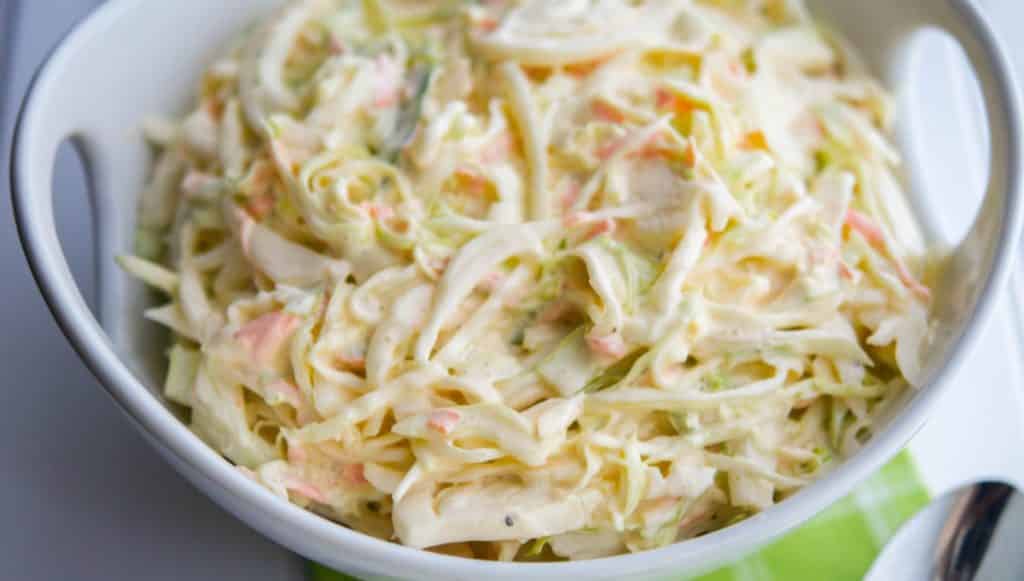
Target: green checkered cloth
{"type": "Point", "coordinates": [839, 544]}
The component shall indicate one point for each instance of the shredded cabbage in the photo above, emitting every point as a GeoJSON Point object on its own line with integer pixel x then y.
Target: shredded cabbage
{"type": "Point", "coordinates": [524, 279]}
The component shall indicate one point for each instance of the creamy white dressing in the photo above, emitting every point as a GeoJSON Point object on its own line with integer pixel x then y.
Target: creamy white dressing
{"type": "Point", "coordinates": [533, 279]}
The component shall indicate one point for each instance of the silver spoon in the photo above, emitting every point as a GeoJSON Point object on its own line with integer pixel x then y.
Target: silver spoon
{"type": "Point", "coordinates": [972, 533]}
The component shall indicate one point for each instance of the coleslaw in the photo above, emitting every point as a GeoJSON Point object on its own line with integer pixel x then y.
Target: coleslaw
{"type": "Point", "coordinates": [533, 280]}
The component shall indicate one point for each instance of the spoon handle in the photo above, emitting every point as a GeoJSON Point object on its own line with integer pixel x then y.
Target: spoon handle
{"type": "Point", "coordinates": [968, 530]}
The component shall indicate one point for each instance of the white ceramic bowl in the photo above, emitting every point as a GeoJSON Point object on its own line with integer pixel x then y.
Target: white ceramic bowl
{"type": "Point", "coordinates": [137, 57]}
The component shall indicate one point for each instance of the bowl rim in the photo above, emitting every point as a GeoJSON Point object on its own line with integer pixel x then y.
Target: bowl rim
{"type": "Point", "coordinates": [303, 531]}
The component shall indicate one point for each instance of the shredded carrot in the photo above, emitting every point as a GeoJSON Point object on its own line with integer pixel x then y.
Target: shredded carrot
{"type": "Point", "coordinates": [606, 226]}
{"type": "Point", "coordinates": [809, 126]}
{"type": "Point", "coordinates": [865, 227]}
{"type": "Point", "coordinates": [306, 489]}
{"type": "Point", "coordinates": [656, 148]}
{"type": "Point", "coordinates": [664, 99]}
{"type": "Point", "coordinates": [245, 224]}
{"type": "Point", "coordinates": [675, 103]}
{"type": "Point", "coordinates": [296, 453]}
{"type": "Point", "coordinates": [690, 155]}
{"type": "Point", "coordinates": [611, 346]}
{"type": "Point", "coordinates": [570, 195]}
{"type": "Point", "coordinates": [388, 91]}
{"type": "Point", "coordinates": [830, 256]}
{"type": "Point", "coordinates": [607, 113]}
{"type": "Point", "coordinates": [487, 24]}
{"type": "Point", "coordinates": [378, 212]}
{"type": "Point", "coordinates": [574, 219]}
{"type": "Point", "coordinates": [439, 265]}
{"type": "Point", "coordinates": [846, 270]}
{"type": "Point", "coordinates": [261, 206]}
{"type": "Point", "coordinates": [498, 150]}
{"type": "Point", "coordinates": [443, 421]}
{"type": "Point", "coordinates": [280, 155]}
{"type": "Point", "coordinates": [260, 178]}
{"type": "Point", "coordinates": [754, 140]}
{"type": "Point", "coordinates": [214, 108]}
{"type": "Point", "coordinates": [473, 183]}
{"type": "Point", "coordinates": [337, 47]}
{"type": "Point", "coordinates": [354, 473]}
{"type": "Point", "coordinates": [555, 311]}
{"type": "Point", "coordinates": [607, 150]}
{"type": "Point", "coordinates": [588, 68]}
{"type": "Point", "coordinates": [912, 283]}
{"type": "Point", "coordinates": [491, 282]}
{"type": "Point", "coordinates": [874, 235]}
{"type": "Point", "coordinates": [265, 335]}
{"type": "Point", "coordinates": [352, 362]}
{"type": "Point", "coordinates": [650, 148]}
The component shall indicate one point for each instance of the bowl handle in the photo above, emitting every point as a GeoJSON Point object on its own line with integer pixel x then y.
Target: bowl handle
{"type": "Point", "coordinates": [883, 31]}
{"type": "Point", "coordinates": [48, 118]}
{"type": "Point", "coordinates": [980, 264]}
{"type": "Point", "coordinates": [1000, 209]}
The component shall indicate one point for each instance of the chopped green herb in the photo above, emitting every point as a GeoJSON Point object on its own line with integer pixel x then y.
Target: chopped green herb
{"type": "Point", "coordinates": [615, 374]}
{"type": "Point", "coordinates": [519, 337]}
{"type": "Point", "coordinates": [376, 16]}
{"type": "Point", "coordinates": [409, 115]}
{"type": "Point", "coordinates": [536, 547]}
{"type": "Point", "coordinates": [678, 421]}
{"type": "Point", "coordinates": [714, 382]}
{"type": "Point", "coordinates": [822, 159]}
{"type": "Point", "coordinates": [148, 244]}
{"type": "Point", "coordinates": [749, 58]}
{"type": "Point", "coordinates": [822, 456]}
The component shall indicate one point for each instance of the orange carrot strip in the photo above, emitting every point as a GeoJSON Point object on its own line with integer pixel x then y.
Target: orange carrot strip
{"type": "Point", "coordinates": [443, 421]}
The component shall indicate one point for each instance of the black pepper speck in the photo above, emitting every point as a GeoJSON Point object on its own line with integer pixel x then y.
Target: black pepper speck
{"type": "Point", "coordinates": [508, 520]}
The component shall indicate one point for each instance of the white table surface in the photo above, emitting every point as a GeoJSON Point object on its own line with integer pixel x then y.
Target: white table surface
{"type": "Point", "coordinates": [82, 497]}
